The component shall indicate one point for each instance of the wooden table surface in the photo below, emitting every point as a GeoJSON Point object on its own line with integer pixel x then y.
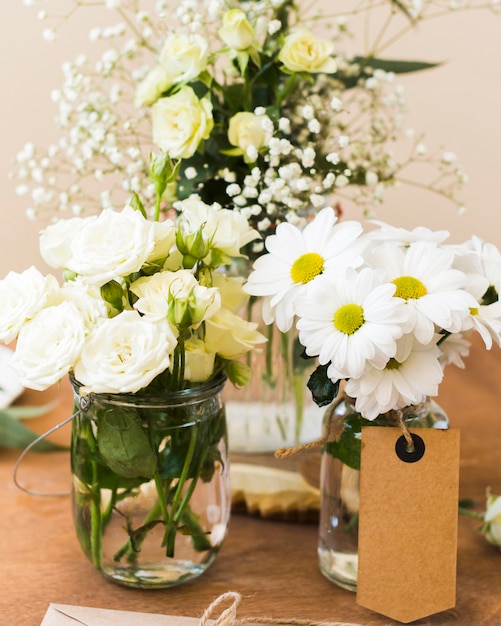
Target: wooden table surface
{"type": "Point", "coordinates": [273, 565]}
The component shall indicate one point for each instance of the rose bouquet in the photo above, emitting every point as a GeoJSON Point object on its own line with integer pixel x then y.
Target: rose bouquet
{"type": "Point", "coordinates": [145, 326]}
{"type": "Point", "coordinates": [268, 106]}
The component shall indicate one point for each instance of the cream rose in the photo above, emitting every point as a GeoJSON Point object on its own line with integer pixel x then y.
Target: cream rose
{"type": "Point", "coordinates": [304, 52]}
{"type": "Point", "coordinates": [233, 297]}
{"type": "Point", "coordinates": [176, 296]}
{"type": "Point", "coordinates": [22, 296]}
{"type": "Point", "coordinates": [248, 130]}
{"type": "Point", "coordinates": [114, 244]}
{"type": "Point", "coordinates": [184, 57]}
{"type": "Point", "coordinates": [224, 230]}
{"type": "Point", "coordinates": [236, 31]}
{"type": "Point", "coordinates": [49, 345]}
{"type": "Point", "coordinates": [149, 90]}
{"type": "Point", "coordinates": [181, 122]}
{"type": "Point", "coordinates": [124, 354]}
{"type": "Point", "coordinates": [230, 336]}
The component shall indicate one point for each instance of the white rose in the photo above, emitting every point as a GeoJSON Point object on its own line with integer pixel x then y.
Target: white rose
{"type": "Point", "coordinates": [181, 122]}
{"type": "Point", "coordinates": [56, 240]}
{"type": "Point", "coordinates": [124, 354]}
{"type": "Point", "coordinates": [149, 90]}
{"type": "Point", "coordinates": [236, 31]}
{"type": "Point", "coordinates": [230, 336]}
{"type": "Point", "coordinates": [116, 244]}
{"type": "Point", "coordinates": [246, 130]}
{"type": "Point", "coordinates": [164, 234]}
{"type": "Point", "coordinates": [184, 57]}
{"type": "Point", "coordinates": [491, 528]}
{"type": "Point", "coordinates": [21, 297]}
{"type": "Point", "coordinates": [223, 229]}
{"type": "Point", "coordinates": [87, 299]}
{"type": "Point", "coordinates": [199, 364]}
{"type": "Point", "coordinates": [49, 345]}
{"type": "Point", "coordinates": [304, 52]}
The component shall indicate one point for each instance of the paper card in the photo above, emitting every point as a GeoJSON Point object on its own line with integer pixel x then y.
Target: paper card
{"type": "Point", "coordinates": [68, 615]}
{"type": "Point", "coordinates": [407, 545]}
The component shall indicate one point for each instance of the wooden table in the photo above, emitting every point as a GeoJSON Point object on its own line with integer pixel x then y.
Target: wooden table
{"type": "Point", "coordinates": [272, 564]}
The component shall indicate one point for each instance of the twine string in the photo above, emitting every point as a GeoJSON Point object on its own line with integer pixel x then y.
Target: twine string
{"type": "Point", "coordinates": [84, 404]}
{"type": "Point", "coordinates": [228, 616]}
{"type": "Point", "coordinates": [405, 431]}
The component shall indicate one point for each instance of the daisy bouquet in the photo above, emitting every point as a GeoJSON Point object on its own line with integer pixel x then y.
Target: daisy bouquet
{"type": "Point", "coordinates": [382, 310]}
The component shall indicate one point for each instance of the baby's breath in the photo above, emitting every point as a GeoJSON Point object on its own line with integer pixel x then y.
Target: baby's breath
{"type": "Point", "coordinates": [332, 135]}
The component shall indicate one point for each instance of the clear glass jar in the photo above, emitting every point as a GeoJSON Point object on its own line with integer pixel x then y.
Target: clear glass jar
{"type": "Point", "coordinates": [340, 481]}
{"type": "Point", "coordinates": [150, 473]}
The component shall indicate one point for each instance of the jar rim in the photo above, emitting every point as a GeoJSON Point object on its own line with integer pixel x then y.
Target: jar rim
{"type": "Point", "coordinates": [157, 398]}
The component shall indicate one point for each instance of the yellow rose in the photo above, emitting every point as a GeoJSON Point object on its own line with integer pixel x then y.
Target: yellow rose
{"type": "Point", "coordinates": [230, 336]}
{"type": "Point", "coordinates": [247, 130]}
{"type": "Point", "coordinates": [181, 122]}
{"type": "Point", "coordinates": [304, 52]}
{"type": "Point", "coordinates": [199, 363]}
{"type": "Point", "coordinates": [236, 32]}
{"type": "Point", "coordinates": [233, 297]}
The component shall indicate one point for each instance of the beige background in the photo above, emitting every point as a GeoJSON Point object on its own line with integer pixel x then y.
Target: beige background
{"type": "Point", "coordinates": [458, 105]}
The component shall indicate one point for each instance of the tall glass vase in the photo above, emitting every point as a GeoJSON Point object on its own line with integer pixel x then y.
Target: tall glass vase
{"type": "Point", "coordinates": [340, 481]}
{"type": "Point", "coordinates": [275, 409]}
{"type": "Point", "coordinates": [151, 494]}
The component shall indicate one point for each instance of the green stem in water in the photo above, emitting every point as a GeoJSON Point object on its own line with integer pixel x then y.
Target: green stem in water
{"type": "Point", "coordinates": [170, 520]}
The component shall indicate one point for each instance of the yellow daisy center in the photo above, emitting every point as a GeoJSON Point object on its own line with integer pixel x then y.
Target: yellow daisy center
{"type": "Point", "coordinates": [409, 288]}
{"type": "Point", "coordinates": [474, 310]}
{"type": "Point", "coordinates": [349, 318]}
{"type": "Point", "coordinates": [307, 267]}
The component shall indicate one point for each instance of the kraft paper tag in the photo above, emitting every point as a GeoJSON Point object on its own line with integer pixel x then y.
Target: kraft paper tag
{"type": "Point", "coordinates": [407, 541]}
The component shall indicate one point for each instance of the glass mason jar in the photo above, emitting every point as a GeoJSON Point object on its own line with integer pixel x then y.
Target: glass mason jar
{"type": "Point", "coordinates": [340, 481]}
{"type": "Point", "coordinates": [151, 497]}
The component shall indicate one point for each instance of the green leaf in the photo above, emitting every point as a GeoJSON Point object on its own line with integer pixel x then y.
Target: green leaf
{"type": "Point", "coordinates": [321, 386]}
{"type": "Point", "coordinates": [112, 293]}
{"type": "Point", "coordinates": [191, 526]}
{"type": "Point", "coordinates": [398, 66]}
{"type": "Point", "coordinates": [124, 445]}
{"type": "Point", "coordinates": [137, 204]}
{"type": "Point", "coordinates": [348, 447]}
{"type": "Point", "coordinates": [14, 434]}
{"type": "Point", "coordinates": [27, 412]}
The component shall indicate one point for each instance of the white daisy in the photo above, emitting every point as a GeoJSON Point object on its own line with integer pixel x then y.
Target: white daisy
{"type": "Point", "coordinates": [386, 233]}
{"type": "Point", "coordinates": [453, 349]}
{"type": "Point", "coordinates": [297, 257]}
{"type": "Point", "coordinates": [407, 378]}
{"type": "Point", "coordinates": [486, 320]}
{"type": "Point", "coordinates": [349, 320]}
{"type": "Point", "coordinates": [481, 262]}
{"type": "Point", "coordinates": [432, 288]}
